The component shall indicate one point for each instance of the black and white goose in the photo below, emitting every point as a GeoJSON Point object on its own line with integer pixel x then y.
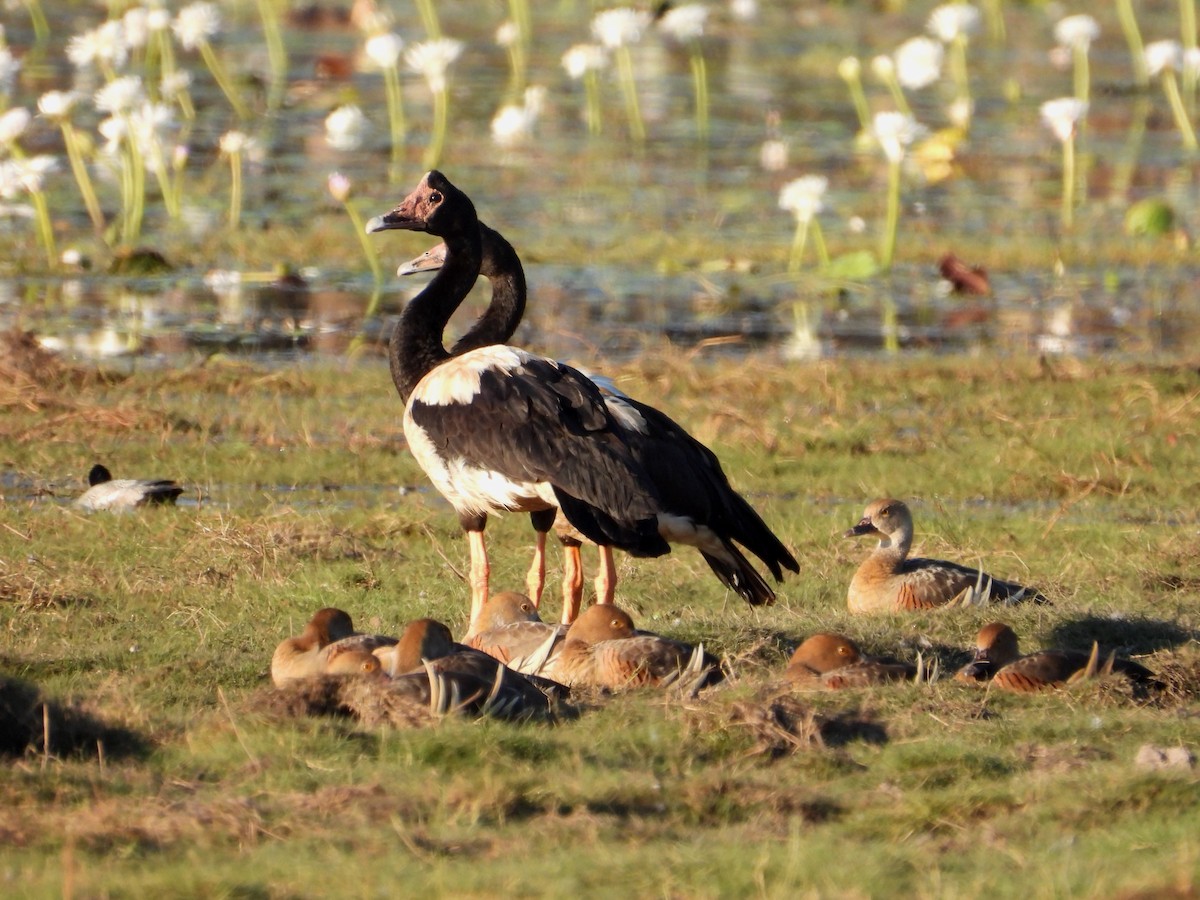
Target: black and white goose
{"type": "Point", "coordinates": [498, 429]}
{"type": "Point", "coordinates": [687, 475]}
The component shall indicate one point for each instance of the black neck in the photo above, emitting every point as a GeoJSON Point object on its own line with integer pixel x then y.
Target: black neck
{"type": "Point", "coordinates": [416, 344]}
{"type": "Point", "coordinates": [499, 321]}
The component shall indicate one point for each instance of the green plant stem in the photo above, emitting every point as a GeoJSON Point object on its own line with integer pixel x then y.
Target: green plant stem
{"type": "Point", "coordinates": [1083, 79]}
{"type": "Point", "coordinates": [167, 54]}
{"type": "Point", "coordinates": [1133, 37]}
{"type": "Point", "coordinates": [958, 67]}
{"type": "Point", "coordinates": [276, 52]}
{"type": "Point", "coordinates": [819, 243]}
{"type": "Point", "coordinates": [37, 18]}
{"type": "Point", "coordinates": [135, 195]}
{"type": "Point", "coordinates": [429, 18]}
{"type": "Point", "coordinates": [633, 112]}
{"type": "Point", "coordinates": [897, 92]}
{"type": "Point", "coordinates": [222, 78]}
{"type": "Point", "coordinates": [368, 248]}
{"type": "Point", "coordinates": [799, 240]}
{"type": "Point", "coordinates": [993, 12]}
{"type": "Point", "coordinates": [235, 190]}
{"type": "Point", "coordinates": [890, 325]}
{"type": "Point", "coordinates": [396, 120]}
{"type": "Point", "coordinates": [82, 178]}
{"type": "Point", "coordinates": [1182, 122]}
{"type": "Point", "coordinates": [1068, 191]}
{"type": "Point", "coordinates": [700, 87]}
{"type": "Point", "coordinates": [893, 215]}
{"type": "Point", "coordinates": [433, 153]}
{"type": "Point", "coordinates": [591, 90]}
{"type": "Point", "coordinates": [45, 229]}
{"type": "Point", "coordinates": [859, 98]}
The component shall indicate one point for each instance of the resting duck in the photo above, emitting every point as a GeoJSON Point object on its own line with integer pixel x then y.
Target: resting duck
{"type": "Point", "coordinates": [603, 650]}
{"type": "Point", "coordinates": [105, 492]}
{"type": "Point", "coordinates": [512, 631]}
{"type": "Point", "coordinates": [328, 634]}
{"type": "Point", "coordinates": [830, 660]}
{"type": "Point", "coordinates": [998, 659]}
{"type": "Point", "coordinates": [427, 646]}
{"type": "Point", "coordinates": [888, 580]}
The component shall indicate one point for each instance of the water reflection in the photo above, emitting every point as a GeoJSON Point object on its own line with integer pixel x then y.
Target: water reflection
{"type": "Point", "coordinates": [562, 194]}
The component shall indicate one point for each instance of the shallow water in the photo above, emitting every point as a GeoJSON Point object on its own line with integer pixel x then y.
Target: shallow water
{"type": "Point", "coordinates": [707, 211]}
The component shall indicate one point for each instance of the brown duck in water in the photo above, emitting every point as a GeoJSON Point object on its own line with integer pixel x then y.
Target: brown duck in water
{"type": "Point", "coordinates": [998, 659]}
{"type": "Point", "coordinates": [603, 649]}
{"type": "Point", "coordinates": [888, 580]}
{"type": "Point", "coordinates": [830, 661]}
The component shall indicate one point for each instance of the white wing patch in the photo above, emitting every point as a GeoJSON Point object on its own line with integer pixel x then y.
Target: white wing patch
{"type": "Point", "coordinates": [470, 489]}
{"type": "Point", "coordinates": [457, 380]}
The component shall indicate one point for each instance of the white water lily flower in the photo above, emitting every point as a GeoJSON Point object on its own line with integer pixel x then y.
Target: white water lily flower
{"type": "Point", "coordinates": [804, 197]}
{"type": "Point", "coordinates": [235, 142]}
{"type": "Point", "coordinates": [1062, 116]}
{"type": "Point", "coordinates": [432, 58]}
{"type": "Point", "coordinates": [120, 95]}
{"type": "Point", "coordinates": [953, 22]}
{"type": "Point", "coordinates": [105, 45]}
{"type": "Point", "coordinates": [895, 131]}
{"type": "Point", "coordinates": [384, 49]}
{"type": "Point", "coordinates": [743, 10]}
{"type": "Point", "coordinates": [136, 23]}
{"type": "Point", "coordinates": [507, 33]}
{"type": "Point", "coordinates": [1077, 32]}
{"type": "Point", "coordinates": [114, 130]}
{"type": "Point", "coordinates": [584, 58]}
{"type": "Point", "coordinates": [17, 175]}
{"type": "Point", "coordinates": [13, 123]}
{"type": "Point", "coordinates": [685, 22]}
{"type": "Point", "coordinates": [960, 111]}
{"type": "Point", "coordinates": [57, 105]}
{"type": "Point", "coordinates": [514, 123]}
{"type": "Point", "coordinates": [196, 23]}
{"type": "Point", "coordinates": [918, 62]}
{"type": "Point", "coordinates": [617, 27]}
{"type": "Point", "coordinates": [9, 67]}
{"type": "Point", "coordinates": [345, 128]}
{"type": "Point", "coordinates": [1163, 56]}
{"type": "Point", "coordinates": [1191, 60]}
{"type": "Point", "coordinates": [850, 69]}
{"type": "Point", "coordinates": [175, 84]}
{"type": "Point", "coordinates": [339, 186]}
{"type": "Point", "coordinates": [883, 68]}
{"type": "Point", "coordinates": [158, 18]}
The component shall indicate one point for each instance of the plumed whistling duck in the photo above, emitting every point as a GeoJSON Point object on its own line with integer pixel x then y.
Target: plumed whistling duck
{"type": "Point", "coordinates": [998, 659]}
{"type": "Point", "coordinates": [512, 631]}
{"type": "Point", "coordinates": [106, 492]}
{"type": "Point", "coordinates": [603, 649]}
{"type": "Point", "coordinates": [687, 475]}
{"type": "Point", "coordinates": [328, 634]}
{"type": "Point", "coordinates": [831, 660]}
{"type": "Point", "coordinates": [888, 580]}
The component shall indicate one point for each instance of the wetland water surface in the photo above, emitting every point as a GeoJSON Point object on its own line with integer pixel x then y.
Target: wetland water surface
{"type": "Point", "coordinates": [626, 240]}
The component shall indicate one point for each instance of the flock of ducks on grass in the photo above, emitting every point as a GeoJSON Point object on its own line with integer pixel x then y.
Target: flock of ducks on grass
{"type": "Point", "coordinates": [499, 429]}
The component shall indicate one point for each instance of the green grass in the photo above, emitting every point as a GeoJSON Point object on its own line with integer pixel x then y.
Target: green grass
{"type": "Point", "coordinates": [152, 633]}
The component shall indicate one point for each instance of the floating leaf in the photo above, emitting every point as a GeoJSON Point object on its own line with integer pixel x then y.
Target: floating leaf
{"type": "Point", "coordinates": [857, 266]}
{"type": "Point", "coordinates": [1152, 217]}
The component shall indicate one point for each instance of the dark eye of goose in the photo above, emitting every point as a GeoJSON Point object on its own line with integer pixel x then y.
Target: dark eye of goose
{"type": "Point", "coordinates": [435, 197]}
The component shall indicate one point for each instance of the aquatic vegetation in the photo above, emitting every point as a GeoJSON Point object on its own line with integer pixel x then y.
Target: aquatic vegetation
{"type": "Point", "coordinates": [894, 132]}
{"type": "Point", "coordinates": [431, 59]}
{"type": "Point", "coordinates": [195, 25]}
{"type": "Point", "coordinates": [1062, 117]}
{"type": "Point", "coordinates": [685, 24]}
{"type": "Point", "coordinates": [1076, 33]}
{"type": "Point", "coordinates": [804, 199]}
{"type": "Point", "coordinates": [234, 145]}
{"type": "Point", "coordinates": [616, 29]}
{"type": "Point", "coordinates": [583, 62]}
{"type": "Point", "coordinates": [383, 50]}
{"type": "Point", "coordinates": [1164, 59]}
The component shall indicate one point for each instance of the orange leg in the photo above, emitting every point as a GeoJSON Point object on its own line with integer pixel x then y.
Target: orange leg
{"type": "Point", "coordinates": [480, 576]}
{"type": "Point", "coordinates": [572, 588]}
{"type": "Point", "coordinates": [606, 578]}
{"type": "Point", "coordinates": [536, 579]}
